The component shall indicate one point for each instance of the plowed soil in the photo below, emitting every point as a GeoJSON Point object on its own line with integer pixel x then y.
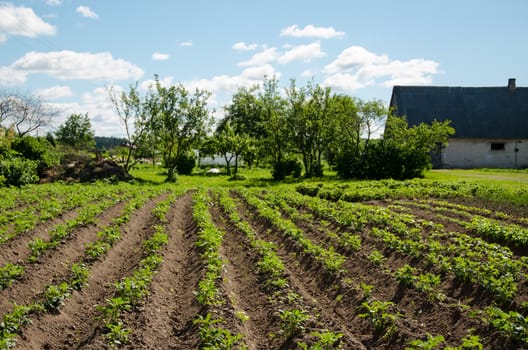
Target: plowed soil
{"type": "Point", "coordinates": [332, 301]}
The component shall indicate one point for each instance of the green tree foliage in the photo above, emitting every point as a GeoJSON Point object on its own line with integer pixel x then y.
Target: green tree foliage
{"type": "Point", "coordinates": [311, 124]}
{"type": "Point", "coordinates": [346, 127]}
{"type": "Point", "coordinates": [179, 121]}
{"type": "Point", "coordinates": [245, 113]}
{"type": "Point", "coordinates": [76, 132]}
{"type": "Point", "coordinates": [276, 139]}
{"type": "Point", "coordinates": [402, 153]}
{"type": "Point", "coordinates": [232, 145]}
{"type": "Point", "coordinates": [104, 143]}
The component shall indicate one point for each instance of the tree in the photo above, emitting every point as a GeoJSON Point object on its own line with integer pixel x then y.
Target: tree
{"type": "Point", "coordinates": [26, 113]}
{"type": "Point", "coordinates": [133, 112]}
{"type": "Point", "coordinates": [370, 118]}
{"type": "Point", "coordinates": [231, 145]}
{"type": "Point", "coordinates": [346, 127]}
{"type": "Point", "coordinates": [275, 142]}
{"type": "Point", "coordinates": [179, 121]}
{"type": "Point", "coordinates": [245, 113]}
{"type": "Point", "coordinates": [402, 153]}
{"type": "Point", "coordinates": [311, 124]}
{"type": "Point", "coordinates": [76, 132]}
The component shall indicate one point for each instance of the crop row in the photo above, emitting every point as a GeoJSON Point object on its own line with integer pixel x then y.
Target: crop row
{"type": "Point", "coordinates": [16, 222]}
{"type": "Point", "coordinates": [212, 334]}
{"type": "Point", "coordinates": [54, 296]}
{"type": "Point", "coordinates": [130, 291]}
{"type": "Point", "coordinates": [470, 259]}
{"type": "Point", "coordinates": [296, 318]}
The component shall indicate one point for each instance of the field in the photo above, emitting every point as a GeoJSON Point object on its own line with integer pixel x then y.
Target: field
{"type": "Point", "coordinates": [433, 263]}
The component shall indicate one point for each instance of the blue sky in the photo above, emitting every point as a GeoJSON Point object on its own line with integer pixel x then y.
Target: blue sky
{"type": "Point", "coordinates": [70, 52]}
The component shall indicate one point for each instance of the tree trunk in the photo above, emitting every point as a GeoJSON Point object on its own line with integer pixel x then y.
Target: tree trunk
{"type": "Point", "coordinates": [171, 174]}
{"type": "Point", "coordinates": [228, 165]}
{"type": "Point", "coordinates": [236, 166]}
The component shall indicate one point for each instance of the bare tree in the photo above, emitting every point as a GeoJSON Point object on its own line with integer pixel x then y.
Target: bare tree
{"type": "Point", "coordinates": [26, 113]}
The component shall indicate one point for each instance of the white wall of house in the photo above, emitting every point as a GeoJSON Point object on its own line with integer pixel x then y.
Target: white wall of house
{"type": "Point", "coordinates": [478, 153]}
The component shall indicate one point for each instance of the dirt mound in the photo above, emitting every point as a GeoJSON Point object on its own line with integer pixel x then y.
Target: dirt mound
{"type": "Point", "coordinates": [86, 170]}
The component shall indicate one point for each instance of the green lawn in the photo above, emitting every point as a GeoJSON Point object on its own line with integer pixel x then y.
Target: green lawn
{"type": "Point", "coordinates": [499, 185]}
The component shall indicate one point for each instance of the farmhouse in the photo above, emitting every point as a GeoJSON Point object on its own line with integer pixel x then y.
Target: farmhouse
{"type": "Point", "coordinates": [491, 123]}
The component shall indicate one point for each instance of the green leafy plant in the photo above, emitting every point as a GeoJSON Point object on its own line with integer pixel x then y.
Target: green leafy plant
{"type": "Point", "coordinates": [379, 315]}
{"type": "Point", "coordinates": [212, 336]}
{"type": "Point", "coordinates": [55, 295]}
{"type": "Point", "coordinates": [326, 340]}
{"type": "Point", "coordinates": [376, 258]}
{"type": "Point", "coordinates": [80, 275]}
{"type": "Point", "coordinates": [8, 273]}
{"type": "Point", "coordinates": [117, 333]}
{"type": "Point", "coordinates": [431, 343]}
{"type": "Point", "coordinates": [292, 322]}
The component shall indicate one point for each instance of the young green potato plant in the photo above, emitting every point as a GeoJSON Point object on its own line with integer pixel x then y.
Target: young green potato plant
{"type": "Point", "coordinates": [292, 322]}
{"type": "Point", "coordinates": [212, 336]}
{"type": "Point", "coordinates": [326, 340]}
{"type": "Point", "coordinates": [379, 315]}
{"type": "Point", "coordinates": [8, 273]}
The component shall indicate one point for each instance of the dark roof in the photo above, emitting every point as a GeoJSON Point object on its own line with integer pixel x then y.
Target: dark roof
{"type": "Point", "coordinates": [475, 112]}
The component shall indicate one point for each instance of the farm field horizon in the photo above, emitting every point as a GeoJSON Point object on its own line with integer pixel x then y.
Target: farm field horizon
{"type": "Point", "coordinates": [432, 263]}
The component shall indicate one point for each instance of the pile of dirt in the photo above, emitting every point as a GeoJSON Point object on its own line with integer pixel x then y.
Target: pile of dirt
{"type": "Point", "coordinates": [86, 170]}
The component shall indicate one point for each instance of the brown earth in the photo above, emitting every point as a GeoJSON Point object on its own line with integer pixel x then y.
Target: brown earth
{"type": "Point", "coordinates": [251, 308]}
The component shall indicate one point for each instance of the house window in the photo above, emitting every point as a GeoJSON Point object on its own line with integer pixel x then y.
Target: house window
{"type": "Point", "coordinates": [497, 146]}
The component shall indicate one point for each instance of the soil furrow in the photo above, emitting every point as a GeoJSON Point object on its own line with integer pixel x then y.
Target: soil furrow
{"type": "Point", "coordinates": [165, 321]}
{"type": "Point", "coordinates": [242, 287]}
{"type": "Point", "coordinates": [312, 284]}
{"type": "Point", "coordinates": [16, 249]}
{"type": "Point", "coordinates": [54, 265]}
{"type": "Point", "coordinates": [76, 326]}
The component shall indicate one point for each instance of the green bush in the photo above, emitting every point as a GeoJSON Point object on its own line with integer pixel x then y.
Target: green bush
{"type": "Point", "coordinates": [185, 164]}
{"type": "Point", "coordinates": [39, 150]}
{"type": "Point", "coordinates": [286, 168]}
{"type": "Point", "coordinates": [383, 159]}
{"type": "Point", "coordinates": [18, 171]}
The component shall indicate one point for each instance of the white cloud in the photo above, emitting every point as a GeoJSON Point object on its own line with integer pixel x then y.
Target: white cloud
{"type": "Point", "coordinates": [242, 46]}
{"type": "Point", "coordinates": [150, 83]}
{"type": "Point", "coordinates": [53, 2]}
{"type": "Point", "coordinates": [186, 44]}
{"type": "Point", "coordinates": [344, 81]}
{"type": "Point", "coordinates": [261, 58]}
{"type": "Point", "coordinates": [310, 31]}
{"type": "Point", "coordinates": [67, 65]}
{"type": "Point", "coordinates": [307, 73]}
{"type": "Point", "coordinates": [22, 21]}
{"type": "Point", "coordinates": [10, 76]}
{"type": "Point", "coordinates": [256, 74]}
{"type": "Point", "coordinates": [100, 109]}
{"type": "Point", "coordinates": [303, 53]}
{"type": "Point", "coordinates": [353, 57]}
{"type": "Point", "coordinates": [356, 68]}
{"type": "Point", "coordinates": [223, 86]}
{"type": "Point", "coordinates": [54, 92]}
{"type": "Point", "coordinates": [85, 11]}
{"type": "Point", "coordinates": [158, 56]}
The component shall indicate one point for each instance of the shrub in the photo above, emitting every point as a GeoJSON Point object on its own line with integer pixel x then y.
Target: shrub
{"type": "Point", "coordinates": [285, 168]}
{"type": "Point", "coordinates": [382, 159]}
{"type": "Point", "coordinates": [38, 150]}
{"type": "Point", "coordinates": [185, 164]}
{"type": "Point", "coordinates": [18, 171]}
